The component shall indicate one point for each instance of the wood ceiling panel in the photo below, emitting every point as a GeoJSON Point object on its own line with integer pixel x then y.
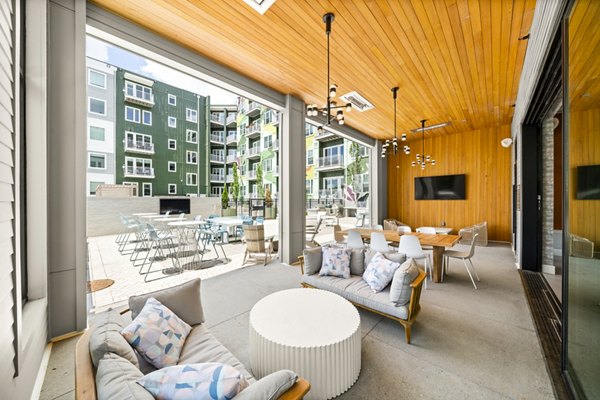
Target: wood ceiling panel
{"type": "Point", "coordinates": [454, 60]}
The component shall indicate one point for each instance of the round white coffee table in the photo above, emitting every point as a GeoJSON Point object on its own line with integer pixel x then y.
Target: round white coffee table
{"type": "Point", "coordinates": [312, 332]}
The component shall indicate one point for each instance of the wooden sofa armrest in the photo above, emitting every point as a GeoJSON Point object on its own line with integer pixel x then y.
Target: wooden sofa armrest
{"type": "Point", "coordinates": [296, 392]}
{"type": "Point", "coordinates": [301, 260]}
{"type": "Point", "coordinates": [85, 380]}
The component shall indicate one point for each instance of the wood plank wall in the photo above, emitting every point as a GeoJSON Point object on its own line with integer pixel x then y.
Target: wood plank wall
{"type": "Point", "coordinates": [584, 149]}
{"type": "Point", "coordinates": [479, 155]}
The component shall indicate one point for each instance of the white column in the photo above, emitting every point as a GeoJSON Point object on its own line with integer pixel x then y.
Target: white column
{"type": "Point", "coordinates": [378, 185]}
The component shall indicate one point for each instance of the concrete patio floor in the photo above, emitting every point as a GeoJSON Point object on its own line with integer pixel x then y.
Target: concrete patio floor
{"type": "Point", "coordinates": [466, 343]}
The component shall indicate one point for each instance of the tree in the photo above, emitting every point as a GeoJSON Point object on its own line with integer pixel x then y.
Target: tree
{"type": "Point", "coordinates": [235, 186]}
{"type": "Point", "coordinates": [259, 181]}
{"type": "Point", "coordinates": [268, 199]}
{"type": "Point", "coordinates": [225, 198]}
{"type": "Point", "coordinates": [354, 168]}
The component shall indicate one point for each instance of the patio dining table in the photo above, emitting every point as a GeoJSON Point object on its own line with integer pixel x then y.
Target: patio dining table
{"type": "Point", "coordinates": [186, 246]}
{"type": "Point", "coordinates": [438, 241]}
{"type": "Point", "coordinates": [230, 224]}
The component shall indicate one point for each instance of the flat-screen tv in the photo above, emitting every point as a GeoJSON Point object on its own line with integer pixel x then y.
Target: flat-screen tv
{"type": "Point", "coordinates": [588, 182]}
{"type": "Point", "coordinates": [446, 187]}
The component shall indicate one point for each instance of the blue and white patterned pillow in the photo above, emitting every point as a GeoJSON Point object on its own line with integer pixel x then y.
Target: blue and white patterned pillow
{"type": "Point", "coordinates": [203, 381]}
{"type": "Point", "coordinates": [157, 334]}
{"type": "Point", "coordinates": [336, 262]}
{"type": "Point", "coordinates": [380, 272]}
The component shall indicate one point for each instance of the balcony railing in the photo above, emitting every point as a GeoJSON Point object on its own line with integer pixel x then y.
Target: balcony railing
{"type": "Point", "coordinates": [335, 161]}
{"type": "Point", "coordinates": [253, 151]}
{"type": "Point", "coordinates": [271, 117]}
{"type": "Point", "coordinates": [217, 178]}
{"type": "Point", "coordinates": [220, 158]}
{"type": "Point", "coordinates": [275, 170]}
{"type": "Point", "coordinates": [139, 147]}
{"type": "Point", "coordinates": [231, 158]}
{"type": "Point", "coordinates": [217, 118]}
{"type": "Point", "coordinates": [229, 178]}
{"type": "Point", "coordinates": [251, 108]}
{"type": "Point", "coordinates": [232, 138]}
{"type": "Point", "coordinates": [253, 129]}
{"type": "Point", "coordinates": [217, 137]}
{"type": "Point", "coordinates": [252, 174]}
{"type": "Point", "coordinates": [146, 99]}
{"type": "Point", "coordinates": [331, 193]}
{"type": "Point", "coordinates": [231, 118]}
{"type": "Point", "coordinates": [145, 172]}
{"type": "Point", "coordinates": [275, 144]}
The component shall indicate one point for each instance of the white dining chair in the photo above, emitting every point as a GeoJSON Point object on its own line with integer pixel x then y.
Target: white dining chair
{"type": "Point", "coordinates": [404, 229]}
{"type": "Point", "coordinates": [354, 240]}
{"type": "Point", "coordinates": [378, 227]}
{"type": "Point", "coordinates": [411, 246]}
{"type": "Point", "coordinates": [426, 229]}
{"type": "Point", "coordinates": [378, 242]}
{"type": "Point", "coordinates": [464, 256]}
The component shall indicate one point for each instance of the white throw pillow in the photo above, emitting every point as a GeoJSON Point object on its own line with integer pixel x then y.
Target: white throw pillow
{"type": "Point", "coordinates": [400, 289]}
{"type": "Point", "coordinates": [379, 272]}
{"type": "Point", "coordinates": [336, 262]}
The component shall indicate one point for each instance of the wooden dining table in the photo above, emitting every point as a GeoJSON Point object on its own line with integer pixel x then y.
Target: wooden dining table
{"type": "Point", "coordinates": [438, 241]}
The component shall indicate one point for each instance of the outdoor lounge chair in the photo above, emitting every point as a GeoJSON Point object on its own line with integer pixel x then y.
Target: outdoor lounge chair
{"type": "Point", "coordinates": [254, 238]}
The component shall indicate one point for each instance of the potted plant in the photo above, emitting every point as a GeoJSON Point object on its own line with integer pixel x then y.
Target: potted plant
{"type": "Point", "coordinates": [225, 210]}
{"type": "Point", "coordinates": [270, 209]}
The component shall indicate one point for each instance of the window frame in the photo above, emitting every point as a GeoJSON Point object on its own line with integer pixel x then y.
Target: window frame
{"type": "Point", "coordinates": [187, 138]}
{"type": "Point", "coordinates": [190, 175]}
{"type": "Point", "coordinates": [99, 127]}
{"type": "Point", "coordinates": [90, 98]}
{"type": "Point", "coordinates": [188, 153]}
{"type": "Point", "coordinates": [134, 86]}
{"type": "Point", "coordinates": [144, 113]}
{"type": "Point", "coordinates": [92, 70]}
{"type": "Point", "coordinates": [169, 141]}
{"type": "Point", "coordinates": [171, 185]}
{"type": "Point", "coordinates": [90, 154]}
{"type": "Point", "coordinates": [189, 112]}
{"type": "Point", "coordinates": [139, 114]}
{"type": "Point", "coordinates": [144, 185]}
{"type": "Point", "coordinates": [171, 118]}
{"type": "Point", "coordinates": [171, 96]}
{"type": "Point", "coordinates": [171, 163]}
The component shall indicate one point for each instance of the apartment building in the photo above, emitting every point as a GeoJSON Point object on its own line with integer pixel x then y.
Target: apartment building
{"type": "Point", "coordinates": [160, 136]}
{"type": "Point", "coordinates": [101, 89]}
{"type": "Point", "coordinates": [223, 143]}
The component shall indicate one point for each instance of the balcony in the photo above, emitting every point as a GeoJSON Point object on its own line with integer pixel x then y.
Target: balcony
{"type": "Point", "coordinates": [271, 117]}
{"type": "Point", "coordinates": [253, 130]}
{"type": "Point", "coordinates": [145, 99]}
{"type": "Point", "coordinates": [229, 178]}
{"type": "Point", "coordinates": [326, 135]}
{"type": "Point", "coordinates": [253, 152]}
{"type": "Point", "coordinates": [231, 158]}
{"type": "Point", "coordinates": [252, 109]}
{"type": "Point", "coordinates": [132, 146]}
{"type": "Point", "coordinates": [139, 172]}
{"type": "Point", "coordinates": [232, 138]}
{"type": "Point", "coordinates": [218, 178]}
{"type": "Point", "coordinates": [217, 158]}
{"type": "Point", "coordinates": [331, 162]}
{"type": "Point", "coordinates": [275, 144]}
{"type": "Point", "coordinates": [331, 194]}
{"type": "Point", "coordinates": [251, 174]}
{"type": "Point", "coordinates": [275, 170]}
{"type": "Point", "coordinates": [217, 118]}
{"type": "Point", "coordinates": [231, 119]}
{"type": "Point", "coordinates": [217, 137]}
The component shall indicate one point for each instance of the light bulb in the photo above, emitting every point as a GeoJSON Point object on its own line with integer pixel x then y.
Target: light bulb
{"type": "Point", "coordinates": [433, 162]}
{"type": "Point", "coordinates": [339, 114]}
{"type": "Point", "coordinates": [413, 164]}
{"type": "Point", "coordinates": [320, 129]}
{"type": "Point", "coordinates": [348, 107]}
{"type": "Point", "coordinates": [403, 137]}
{"type": "Point", "coordinates": [332, 90]}
{"type": "Point", "coordinates": [341, 121]}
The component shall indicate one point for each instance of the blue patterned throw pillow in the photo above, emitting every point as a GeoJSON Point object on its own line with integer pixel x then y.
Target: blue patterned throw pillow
{"type": "Point", "coordinates": [380, 272]}
{"type": "Point", "coordinates": [203, 381]}
{"type": "Point", "coordinates": [336, 262]}
{"type": "Point", "coordinates": [157, 334]}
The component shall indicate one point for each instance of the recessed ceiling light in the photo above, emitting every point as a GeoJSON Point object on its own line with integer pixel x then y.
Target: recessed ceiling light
{"type": "Point", "coordinates": [260, 5]}
{"type": "Point", "coordinates": [427, 128]}
{"type": "Point", "coordinates": [359, 103]}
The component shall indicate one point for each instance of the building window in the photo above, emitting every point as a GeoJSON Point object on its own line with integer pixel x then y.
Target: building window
{"type": "Point", "coordinates": [135, 187]}
{"type": "Point", "coordinates": [172, 121]}
{"type": "Point", "coordinates": [94, 186]}
{"type": "Point", "coordinates": [138, 141]}
{"type": "Point", "coordinates": [132, 114]}
{"type": "Point", "coordinates": [172, 100]}
{"type": "Point", "coordinates": [191, 115]}
{"type": "Point", "coordinates": [191, 136]}
{"type": "Point", "coordinates": [267, 165]}
{"type": "Point", "coordinates": [191, 179]}
{"type": "Point", "coordinates": [138, 91]}
{"type": "Point", "coordinates": [270, 117]}
{"type": "Point", "coordinates": [216, 190]}
{"type": "Point", "coordinates": [192, 157]}
{"type": "Point", "coordinates": [172, 144]}
{"type": "Point", "coordinates": [138, 167]}
{"type": "Point", "coordinates": [267, 142]}
{"type": "Point", "coordinates": [97, 161]}
{"type": "Point", "coordinates": [147, 117]}
{"type": "Point", "coordinates": [172, 166]}
{"type": "Point", "coordinates": [172, 188]}
{"type": "Point", "coordinates": [97, 133]}
{"type": "Point", "coordinates": [97, 78]}
{"type": "Point", "coordinates": [97, 106]}
{"type": "Point", "coordinates": [310, 160]}
{"type": "Point", "coordinates": [146, 189]}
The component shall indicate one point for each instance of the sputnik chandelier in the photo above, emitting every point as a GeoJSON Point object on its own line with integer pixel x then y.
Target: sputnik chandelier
{"type": "Point", "coordinates": [394, 141]}
{"type": "Point", "coordinates": [331, 106]}
{"type": "Point", "coordinates": [423, 159]}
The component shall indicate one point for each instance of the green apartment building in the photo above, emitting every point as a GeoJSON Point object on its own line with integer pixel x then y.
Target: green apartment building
{"type": "Point", "coordinates": [160, 139]}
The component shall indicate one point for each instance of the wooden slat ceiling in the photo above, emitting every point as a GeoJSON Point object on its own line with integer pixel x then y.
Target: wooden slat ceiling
{"type": "Point", "coordinates": [454, 60]}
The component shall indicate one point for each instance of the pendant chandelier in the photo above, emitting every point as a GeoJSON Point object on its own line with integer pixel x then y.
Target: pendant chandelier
{"type": "Point", "coordinates": [394, 141]}
{"type": "Point", "coordinates": [331, 106]}
{"type": "Point", "coordinates": [423, 159]}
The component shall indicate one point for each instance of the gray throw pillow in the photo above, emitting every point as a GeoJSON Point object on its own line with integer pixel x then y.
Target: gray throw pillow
{"type": "Point", "coordinates": [184, 300]}
{"type": "Point", "coordinates": [106, 338]}
{"type": "Point", "coordinates": [116, 379]}
{"type": "Point", "coordinates": [400, 289]}
{"type": "Point", "coordinates": [312, 260]}
{"type": "Point", "coordinates": [357, 262]}
{"type": "Point", "coordinates": [270, 387]}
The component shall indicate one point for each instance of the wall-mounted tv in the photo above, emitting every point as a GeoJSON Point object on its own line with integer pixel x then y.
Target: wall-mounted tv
{"type": "Point", "coordinates": [588, 182]}
{"type": "Point", "coordinates": [446, 187]}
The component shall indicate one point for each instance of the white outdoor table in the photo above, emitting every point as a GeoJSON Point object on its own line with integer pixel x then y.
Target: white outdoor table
{"type": "Point", "coordinates": [186, 246]}
{"type": "Point", "coordinates": [312, 332]}
{"type": "Point", "coordinates": [229, 223]}
{"type": "Point", "coordinates": [143, 214]}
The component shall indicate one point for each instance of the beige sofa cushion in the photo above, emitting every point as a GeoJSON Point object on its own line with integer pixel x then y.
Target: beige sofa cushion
{"type": "Point", "coordinates": [116, 379]}
{"type": "Point", "coordinates": [106, 338]}
{"type": "Point", "coordinates": [270, 387]}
